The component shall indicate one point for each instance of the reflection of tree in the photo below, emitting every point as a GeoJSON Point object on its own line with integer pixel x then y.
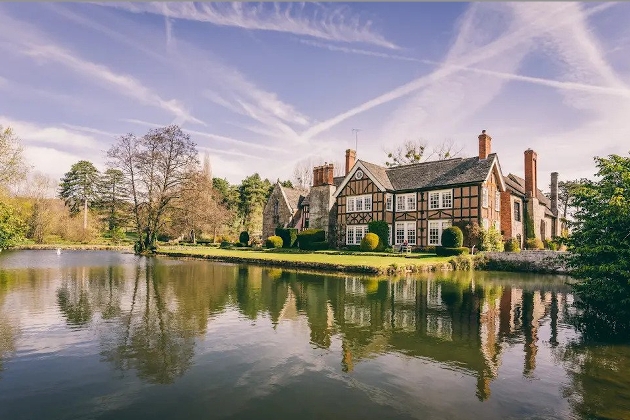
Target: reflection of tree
{"type": "Point", "coordinates": [7, 340]}
{"type": "Point", "coordinates": [74, 302]}
{"type": "Point", "coordinates": [151, 339]}
{"type": "Point", "coordinates": [598, 380]}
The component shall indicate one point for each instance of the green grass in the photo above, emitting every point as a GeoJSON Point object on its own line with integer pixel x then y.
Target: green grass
{"type": "Point", "coordinates": [380, 262]}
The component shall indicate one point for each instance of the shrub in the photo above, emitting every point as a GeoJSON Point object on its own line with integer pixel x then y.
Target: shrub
{"type": "Point", "coordinates": [381, 229]}
{"type": "Point", "coordinates": [430, 248]}
{"type": "Point", "coordinates": [226, 244]}
{"type": "Point", "coordinates": [289, 236]}
{"type": "Point", "coordinates": [551, 245]}
{"type": "Point", "coordinates": [244, 238]}
{"type": "Point", "coordinates": [512, 245]}
{"type": "Point", "coordinates": [452, 237]}
{"type": "Point", "coordinates": [273, 242]}
{"type": "Point", "coordinates": [309, 236]}
{"type": "Point", "coordinates": [444, 251]}
{"type": "Point", "coordinates": [239, 245]}
{"type": "Point", "coordinates": [491, 240]}
{"type": "Point", "coordinates": [471, 231]}
{"type": "Point", "coordinates": [534, 243]}
{"type": "Point", "coordinates": [462, 262]}
{"type": "Point", "coordinates": [370, 242]}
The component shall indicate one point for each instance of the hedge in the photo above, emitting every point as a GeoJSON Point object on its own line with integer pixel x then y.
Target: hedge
{"type": "Point", "coordinates": [318, 246]}
{"type": "Point", "coordinates": [273, 242]}
{"type": "Point", "coordinates": [244, 238]}
{"type": "Point", "coordinates": [289, 236]}
{"type": "Point", "coordinates": [443, 251]}
{"type": "Point", "coordinates": [308, 237]}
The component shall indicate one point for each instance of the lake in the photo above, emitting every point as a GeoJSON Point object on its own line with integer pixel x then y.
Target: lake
{"type": "Point", "coordinates": [105, 335]}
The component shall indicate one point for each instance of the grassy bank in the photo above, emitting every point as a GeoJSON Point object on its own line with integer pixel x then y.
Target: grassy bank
{"type": "Point", "coordinates": [321, 260]}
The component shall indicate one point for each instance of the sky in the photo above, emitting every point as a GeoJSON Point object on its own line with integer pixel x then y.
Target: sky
{"type": "Point", "coordinates": [261, 86]}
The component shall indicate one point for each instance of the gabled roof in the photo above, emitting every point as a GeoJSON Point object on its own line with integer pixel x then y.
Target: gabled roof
{"type": "Point", "coordinates": [441, 173]}
{"type": "Point", "coordinates": [293, 196]}
{"type": "Point", "coordinates": [426, 175]}
{"type": "Point", "coordinates": [516, 185]}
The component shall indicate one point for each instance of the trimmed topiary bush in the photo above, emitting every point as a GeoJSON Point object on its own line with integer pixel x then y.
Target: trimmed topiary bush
{"type": "Point", "coordinates": [443, 251]}
{"type": "Point", "coordinates": [452, 237]}
{"type": "Point", "coordinates": [289, 236]}
{"type": "Point", "coordinates": [381, 229]}
{"type": "Point", "coordinates": [512, 245]}
{"type": "Point", "coordinates": [370, 242]}
{"type": "Point", "coordinates": [319, 246]}
{"type": "Point", "coordinates": [244, 238]}
{"type": "Point", "coordinates": [308, 236]}
{"type": "Point", "coordinates": [273, 242]}
{"type": "Point", "coordinates": [534, 243]}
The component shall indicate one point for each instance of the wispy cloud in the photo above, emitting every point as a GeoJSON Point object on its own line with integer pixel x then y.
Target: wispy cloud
{"type": "Point", "coordinates": [51, 135]}
{"type": "Point", "coordinates": [90, 130]}
{"type": "Point", "coordinates": [324, 22]}
{"type": "Point", "coordinates": [359, 51]}
{"type": "Point", "coordinates": [471, 47]}
{"type": "Point", "coordinates": [35, 45]}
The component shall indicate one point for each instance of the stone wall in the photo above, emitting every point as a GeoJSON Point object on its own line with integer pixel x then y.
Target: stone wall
{"type": "Point", "coordinates": [320, 204]}
{"type": "Point", "coordinates": [270, 222]}
{"type": "Point", "coordinates": [536, 261]}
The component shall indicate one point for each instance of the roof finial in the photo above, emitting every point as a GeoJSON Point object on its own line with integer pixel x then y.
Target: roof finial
{"type": "Point", "coordinates": [483, 131]}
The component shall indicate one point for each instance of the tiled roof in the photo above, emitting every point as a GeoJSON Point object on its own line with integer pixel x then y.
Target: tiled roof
{"type": "Point", "coordinates": [338, 180]}
{"type": "Point", "coordinates": [293, 196]}
{"type": "Point", "coordinates": [516, 185]}
{"type": "Point", "coordinates": [432, 174]}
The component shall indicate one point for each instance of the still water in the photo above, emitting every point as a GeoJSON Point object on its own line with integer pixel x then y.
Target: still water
{"type": "Point", "coordinates": [103, 335]}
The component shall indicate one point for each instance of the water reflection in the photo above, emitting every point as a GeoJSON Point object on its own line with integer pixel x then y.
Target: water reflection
{"type": "Point", "coordinates": [149, 315]}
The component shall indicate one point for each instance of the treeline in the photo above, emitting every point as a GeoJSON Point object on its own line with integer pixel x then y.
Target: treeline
{"type": "Point", "coordinates": [154, 188]}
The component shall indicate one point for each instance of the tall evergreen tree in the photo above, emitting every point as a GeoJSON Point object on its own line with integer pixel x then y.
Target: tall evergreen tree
{"type": "Point", "coordinates": [113, 196]}
{"type": "Point", "coordinates": [78, 188]}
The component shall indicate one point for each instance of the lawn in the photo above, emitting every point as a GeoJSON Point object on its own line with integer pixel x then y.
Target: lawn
{"type": "Point", "coordinates": [374, 262]}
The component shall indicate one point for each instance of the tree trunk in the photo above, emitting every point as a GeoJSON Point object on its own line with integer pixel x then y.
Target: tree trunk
{"type": "Point", "coordinates": [85, 214]}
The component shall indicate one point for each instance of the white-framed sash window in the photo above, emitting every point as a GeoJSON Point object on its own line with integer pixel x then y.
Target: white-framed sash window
{"type": "Point", "coordinates": [406, 231]}
{"type": "Point", "coordinates": [359, 203]}
{"type": "Point", "coordinates": [388, 202]}
{"type": "Point", "coordinates": [497, 201]}
{"type": "Point", "coordinates": [406, 202]}
{"type": "Point", "coordinates": [354, 234]}
{"type": "Point", "coordinates": [436, 227]}
{"type": "Point", "coordinates": [441, 199]}
{"type": "Point", "coordinates": [484, 197]}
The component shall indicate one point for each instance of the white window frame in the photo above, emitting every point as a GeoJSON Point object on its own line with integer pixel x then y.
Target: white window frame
{"type": "Point", "coordinates": [486, 224]}
{"type": "Point", "coordinates": [389, 202]}
{"type": "Point", "coordinates": [442, 196]}
{"type": "Point", "coordinates": [354, 234]}
{"type": "Point", "coordinates": [409, 232]}
{"type": "Point", "coordinates": [438, 225]}
{"type": "Point", "coordinates": [497, 225]}
{"type": "Point", "coordinates": [359, 203]}
{"type": "Point", "coordinates": [484, 197]}
{"type": "Point", "coordinates": [389, 238]}
{"type": "Point", "coordinates": [497, 201]}
{"type": "Point", "coordinates": [409, 202]}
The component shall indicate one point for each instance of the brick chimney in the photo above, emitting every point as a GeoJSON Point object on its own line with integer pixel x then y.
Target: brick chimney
{"type": "Point", "coordinates": [351, 157]}
{"type": "Point", "coordinates": [329, 174]}
{"type": "Point", "coordinates": [317, 181]}
{"type": "Point", "coordinates": [554, 193]}
{"type": "Point", "coordinates": [531, 173]}
{"type": "Point", "coordinates": [485, 142]}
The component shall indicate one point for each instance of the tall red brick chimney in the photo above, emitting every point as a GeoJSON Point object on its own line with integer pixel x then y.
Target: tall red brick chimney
{"type": "Point", "coordinates": [485, 142]}
{"type": "Point", "coordinates": [351, 157]}
{"type": "Point", "coordinates": [329, 174]}
{"type": "Point", "coordinates": [531, 173]}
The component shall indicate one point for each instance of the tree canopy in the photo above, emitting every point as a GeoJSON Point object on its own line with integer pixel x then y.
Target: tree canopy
{"type": "Point", "coordinates": [600, 247]}
{"type": "Point", "coordinates": [416, 151]}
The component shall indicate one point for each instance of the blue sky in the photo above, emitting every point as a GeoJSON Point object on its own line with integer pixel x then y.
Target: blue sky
{"type": "Point", "coordinates": [263, 86]}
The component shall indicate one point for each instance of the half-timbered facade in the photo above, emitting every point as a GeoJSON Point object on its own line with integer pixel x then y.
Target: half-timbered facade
{"type": "Point", "coordinates": [419, 201]}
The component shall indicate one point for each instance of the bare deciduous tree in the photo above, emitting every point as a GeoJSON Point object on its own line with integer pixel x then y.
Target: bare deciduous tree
{"type": "Point", "coordinates": [416, 151]}
{"type": "Point", "coordinates": [303, 170]}
{"type": "Point", "coordinates": [155, 166]}
{"type": "Point", "coordinates": [13, 167]}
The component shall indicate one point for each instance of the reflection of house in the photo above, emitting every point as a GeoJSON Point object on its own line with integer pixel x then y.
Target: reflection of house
{"type": "Point", "coordinates": [418, 201]}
